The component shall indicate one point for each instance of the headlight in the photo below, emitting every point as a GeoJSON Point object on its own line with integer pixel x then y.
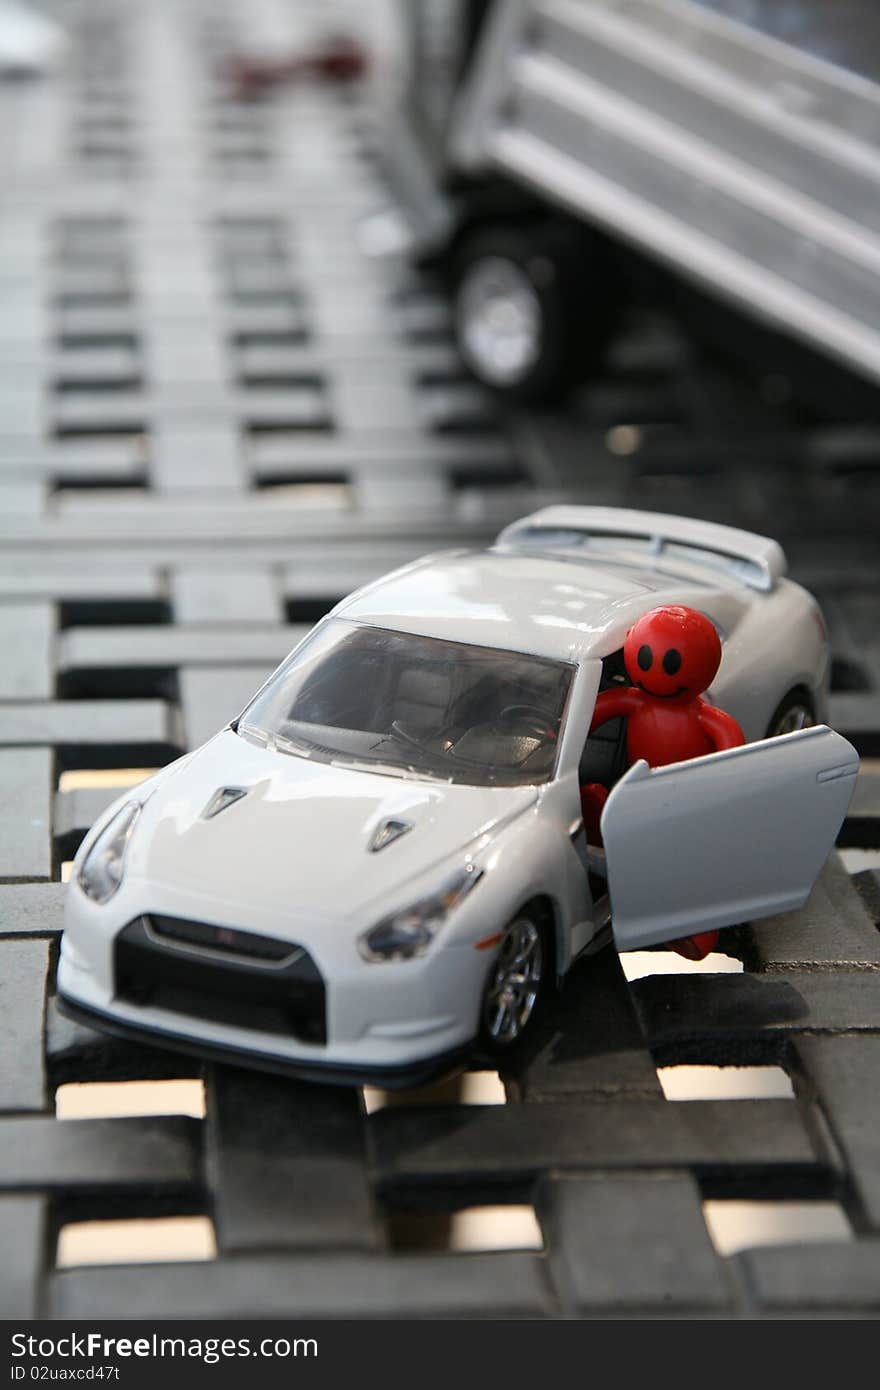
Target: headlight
{"type": "Point", "coordinates": [101, 871]}
{"type": "Point", "coordinates": [410, 932]}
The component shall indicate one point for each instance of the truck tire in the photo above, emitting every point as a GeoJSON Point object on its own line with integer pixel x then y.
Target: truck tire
{"type": "Point", "coordinates": [533, 307]}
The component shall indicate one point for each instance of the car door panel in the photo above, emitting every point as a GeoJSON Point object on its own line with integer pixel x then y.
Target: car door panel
{"type": "Point", "coordinates": [725, 838]}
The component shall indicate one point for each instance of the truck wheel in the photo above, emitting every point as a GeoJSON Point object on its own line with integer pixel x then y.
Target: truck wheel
{"type": "Point", "coordinates": [516, 983]}
{"type": "Point", "coordinates": [532, 309]}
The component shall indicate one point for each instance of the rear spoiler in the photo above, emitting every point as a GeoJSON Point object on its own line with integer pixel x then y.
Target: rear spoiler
{"type": "Point", "coordinates": [753, 560]}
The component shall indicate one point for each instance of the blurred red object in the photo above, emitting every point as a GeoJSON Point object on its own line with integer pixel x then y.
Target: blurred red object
{"type": "Point", "coordinates": [339, 58]}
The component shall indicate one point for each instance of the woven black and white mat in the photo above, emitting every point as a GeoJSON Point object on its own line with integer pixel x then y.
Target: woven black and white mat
{"type": "Point", "coordinates": [218, 414]}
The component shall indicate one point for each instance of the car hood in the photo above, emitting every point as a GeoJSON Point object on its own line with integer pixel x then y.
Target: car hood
{"type": "Point", "coordinates": [301, 835]}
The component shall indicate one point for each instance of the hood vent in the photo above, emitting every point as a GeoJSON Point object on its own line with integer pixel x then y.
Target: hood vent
{"type": "Point", "coordinates": [386, 833]}
{"type": "Point", "coordinates": [223, 798]}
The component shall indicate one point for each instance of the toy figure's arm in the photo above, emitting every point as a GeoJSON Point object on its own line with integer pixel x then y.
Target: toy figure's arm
{"type": "Point", "coordinates": [611, 704]}
{"type": "Point", "coordinates": [719, 727]}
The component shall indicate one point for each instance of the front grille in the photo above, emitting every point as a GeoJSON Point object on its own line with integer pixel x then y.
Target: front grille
{"type": "Point", "coordinates": [222, 983]}
{"type": "Point", "coordinates": [223, 939]}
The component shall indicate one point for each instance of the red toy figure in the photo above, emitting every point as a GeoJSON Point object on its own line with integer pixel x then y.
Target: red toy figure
{"type": "Point", "coordinates": [671, 656]}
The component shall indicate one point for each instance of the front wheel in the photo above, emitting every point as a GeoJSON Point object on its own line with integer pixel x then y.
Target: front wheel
{"type": "Point", "coordinates": [516, 983]}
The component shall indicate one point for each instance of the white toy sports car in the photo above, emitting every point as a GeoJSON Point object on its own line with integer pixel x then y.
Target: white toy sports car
{"type": "Point", "coordinates": [383, 858]}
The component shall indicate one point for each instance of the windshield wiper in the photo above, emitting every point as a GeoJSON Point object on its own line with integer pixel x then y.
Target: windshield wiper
{"type": "Point", "coordinates": [403, 770]}
{"type": "Point", "coordinates": [283, 744]}
{"type": "Point", "coordinates": [276, 743]}
{"type": "Point", "coordinates": [251, 734]}
{"type": "Point", "coordinates": [369, 765]}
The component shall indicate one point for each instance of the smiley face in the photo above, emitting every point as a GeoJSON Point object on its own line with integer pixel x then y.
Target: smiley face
{"type": "Point", "coordinates": [672, 653]}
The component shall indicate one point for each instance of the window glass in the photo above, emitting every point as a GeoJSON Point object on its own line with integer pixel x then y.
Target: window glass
{"type": "Point", "coordinates": [398, 702]}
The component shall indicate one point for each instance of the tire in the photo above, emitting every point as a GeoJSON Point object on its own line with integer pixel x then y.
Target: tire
{"type": "Point", "coordinates": [516, 984]}
{"type": "Point", "coordinates": [796, 711]}
{"type": "Point", "coordinates": [532, 308]}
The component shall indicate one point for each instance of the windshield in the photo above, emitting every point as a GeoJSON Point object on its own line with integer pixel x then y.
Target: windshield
{"type": "Point", "coordinates": [399, 703]}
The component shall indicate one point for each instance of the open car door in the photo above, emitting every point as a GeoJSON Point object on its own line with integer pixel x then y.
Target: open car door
{"type": "Point", "coordinates": [725, 838]}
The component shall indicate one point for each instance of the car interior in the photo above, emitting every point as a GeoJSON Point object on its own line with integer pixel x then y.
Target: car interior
{"type": "Point", "coordinates": [463, 706]}
{"type": "Point", "coordinates": [604, 757]}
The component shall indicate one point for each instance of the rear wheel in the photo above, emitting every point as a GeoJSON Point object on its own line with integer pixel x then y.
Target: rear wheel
{"type": "Point", "coordinates": [532, 308]}
{"type": "Point", "coordinates": [795, 712]}
{"type": "Point", "coordinates": [516, 983]}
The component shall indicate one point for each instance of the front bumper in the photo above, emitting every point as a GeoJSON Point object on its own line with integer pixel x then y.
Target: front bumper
{"type": "Point", "coordinates": [388, 1077]}
{"type": "Point", "coordinates": [397, 1023]}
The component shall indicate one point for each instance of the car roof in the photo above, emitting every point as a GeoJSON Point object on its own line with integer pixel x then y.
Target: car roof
{"type": "Point", "coordinates": [551, 607]}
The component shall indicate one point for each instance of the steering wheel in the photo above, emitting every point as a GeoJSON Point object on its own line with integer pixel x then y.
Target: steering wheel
{"type": "Point", "coordinates": [398, 729]}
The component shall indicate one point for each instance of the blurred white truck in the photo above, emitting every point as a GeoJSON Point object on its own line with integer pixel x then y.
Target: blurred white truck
{"type": "Point", "coordinates": [541, 132]}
